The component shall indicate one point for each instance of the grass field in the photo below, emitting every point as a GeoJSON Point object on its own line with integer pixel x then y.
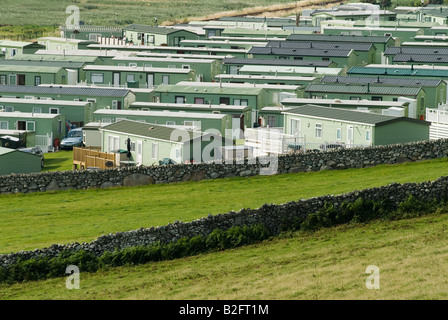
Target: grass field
{"type": "Point", "coordinates": [329, 264]}
{"type": "Point", "coordinates": [43, 219]}
{"type": "Point", "coordinates": [58, 161]}
{"type": "Point", "coordinates": [118, 12]}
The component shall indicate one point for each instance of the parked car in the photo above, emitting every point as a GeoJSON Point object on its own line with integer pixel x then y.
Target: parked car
{"type": "Point", "coordinates": [73, 139]}
{"type": "Point", "coordinates": [166, 161]}
{"type": "Point", "coordinates": [35, 150]}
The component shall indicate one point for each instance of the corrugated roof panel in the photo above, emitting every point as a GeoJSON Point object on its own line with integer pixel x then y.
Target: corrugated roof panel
{"type": "Point", "coordinates": [100, 92]}
{"type": "Point", "coordinates": [386, 90]}
{"type": "Point", "coordinates": [347, 115]}
{"type": "Point", "coordinates": [338, 38]}
{"type": "Point", "coordinates": [326, 45]}
{"type": "Point", "coordinates": [398, 71]}
{"type": "Point", "coordinates": [418, 82]}
{"type": "Point", "coordinates": [300, 52]}
{"type": "Point", "coordinates": [276, 62]}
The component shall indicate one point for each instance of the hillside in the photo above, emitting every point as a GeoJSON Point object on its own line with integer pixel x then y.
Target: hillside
{"type": "Point", "coordinates": [121, 13]}
{"type": "Point", "coordinates": [43, 219]}
{"type": "Point", "coordinates": [328, 264]}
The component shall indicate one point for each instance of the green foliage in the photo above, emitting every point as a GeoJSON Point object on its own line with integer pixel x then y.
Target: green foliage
{"type": "Point", "coordinates": [44, 268]}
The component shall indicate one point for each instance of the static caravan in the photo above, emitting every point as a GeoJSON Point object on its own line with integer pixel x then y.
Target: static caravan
{"type": "Point", "coordinates": [136, 77]}
{"type": "Point", "coordinates": [405, 108]}
{"type": "Point", "coordinates": [322, 126]}
{"type": "Point", "coordinates": [10, 48]}
{"type": "Point", "coordinates": [114, 98]}
{"type": "Point", "coordinates": [369, 92]}
{"type": "Point", "coordinates": [76, 112]}
{"type": "Point", "coordinates": [15, 161]}
{"type": "Point", "coordinates": [47, 127]}
{"type": "Point", "coordinates": [211, 121]}
{"type": "Point", "coordinates": [237, 112]}
{"type": "Point", "coordinates": [151, 144]}
{"type": "Point", "coordinates": [156, 36]}
{"type": "Point", "coordinates": [205, 69]}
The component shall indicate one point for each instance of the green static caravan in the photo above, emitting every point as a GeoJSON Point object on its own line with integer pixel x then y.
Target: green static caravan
{"type": "Point", "coordinates": [260, 33]}
{"type": "Point", "coordinates": [76, 112]}
{"type": "Point", "coordinates": [136, 77]}
{"type": "Point", "coordinates": [233, 65]}
{"type": "Point", "coordinates": [176, 56]}
{"type": "Point", "coordinates": [426, 27]}
{"type": "Point", "coordinates": [400, 34]}
{"type": "Point", "coordinates": [275, 92]}
{"type": "Point", "coordinates": [55, 43]}
{"type": "Point", "coordinates": [399, 108]}
{"type": "Point", "coordinates": [202, 121]}
{"type": "Point", "coordinates": [352, 15]}
{"type": "Point", "coordinates": [205, 69]}
{"type": "Point", "coordinates": [15, 161]}
{"type": "Point", "coordinates": [429, 39]}
{"type": "Point", "coordinates": [45, 56]}
{"type": "Point", "coordinates": [380, 42]}
{"type": "Point", "coordinates": [272, 117]}
{"type": "Point", "coordinates": [26, 75]}
{"type": "Point", "coordinates": [151, 143]}
{"type": "Point", "coordinates": [156, 36]}
{"type": "Point", "coordinates": [172, 50]}
{"type": "Point", "coordinates": [114, 98]}
{"type": "Point", "coordinates": [317, 72]}
{"type": "Point", "coordinates": [436, 89]}
{"type": "Point", "coordinates": [58, 72]}
{"type": "Point", "coordinates": [221, 44]}
{"type": "Point", "coordinates": [95, 57]}
{"type": "Point", "coordinates": [241, 115]}
{"type": "Point", "coordinates": [364, 51]}
{"type": "Point", "coordinates": [416, 55]}
{"type": "Point", "coordinates": [90, 33]}
{"type": "Point", "coordinates": [273, 80]}
{"type": "Point", "coordinates": [10, 48]}
{"type": "Point", "coordinates": [254, 97]}
{"type": "Point", "coordinates": [343, 58]}
{"type": "Point", "coordinates": [320, 126]}
{"type": "Point", "coordinates": [369, 92]}
{"type": "Point", "coordinates": [46, 126]}
{"type": "Point", "coordinates": [401, 71]}
{"type": "Point", "coordinates": [16, 138]}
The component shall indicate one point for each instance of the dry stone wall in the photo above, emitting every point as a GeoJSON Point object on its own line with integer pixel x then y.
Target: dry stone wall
{"type": "Point", "coordinates": [313, 161]}
{"type": "Point", "coordinates": [273, 217]}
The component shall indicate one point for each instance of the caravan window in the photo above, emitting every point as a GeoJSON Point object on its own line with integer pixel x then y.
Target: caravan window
{"type": "Point", "coordinates": [97, 78]}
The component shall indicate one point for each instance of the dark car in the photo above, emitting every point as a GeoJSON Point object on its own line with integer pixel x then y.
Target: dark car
{"type": "Point", "coordinates": [74, 139]}
{"type": "Point", "coordinates": [166, 161]}
{"type": "Point", "coordinates": [36, 151]}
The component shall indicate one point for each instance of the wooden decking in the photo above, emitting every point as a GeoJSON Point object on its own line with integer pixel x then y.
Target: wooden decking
{"type": "Point", "coordinates": [84, 158]}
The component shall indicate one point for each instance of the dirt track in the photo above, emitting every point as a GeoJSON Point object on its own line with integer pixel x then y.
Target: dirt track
{"type": "Point", "coordinates": [271, 11]}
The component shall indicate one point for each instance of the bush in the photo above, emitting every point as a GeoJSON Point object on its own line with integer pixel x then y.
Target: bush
{"type": "Point", "coordinates": [44, 268]}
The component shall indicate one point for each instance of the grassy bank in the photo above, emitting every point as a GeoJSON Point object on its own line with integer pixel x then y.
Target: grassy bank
{"type": "Point", "coordinates": [43, 219]}
{"type": "Point", "coordinates": [328, 264]}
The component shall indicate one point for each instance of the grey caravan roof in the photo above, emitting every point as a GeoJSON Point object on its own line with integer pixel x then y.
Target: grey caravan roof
{"type": "Point", "coordinates": [414, 82]}
{"type": "Point", "coordinates": [100, 92]}
{"type": "Point", "coordinates": [276, 62]}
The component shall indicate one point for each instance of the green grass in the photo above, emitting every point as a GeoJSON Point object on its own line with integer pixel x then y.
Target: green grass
{"type": "Point", "coordinates": [118, 12]}
{"type": "Point", "coordinates": [329, 264]}
{"type": "Point", "coordinates": [30, 221]}
{"type": "Point", "coordinates": [58, 161]}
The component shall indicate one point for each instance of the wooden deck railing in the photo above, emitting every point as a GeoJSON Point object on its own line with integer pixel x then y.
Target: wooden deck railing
{"type": "Point", "coordinates": [92, 158]}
